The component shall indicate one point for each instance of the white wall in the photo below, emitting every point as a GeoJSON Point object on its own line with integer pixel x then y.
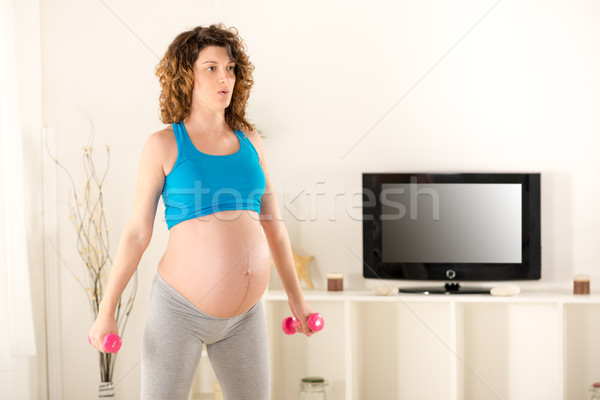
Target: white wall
{"type": "Point", "coordinates": [341, 88]}
{"type": "Point", "coordinates": [27, 379]}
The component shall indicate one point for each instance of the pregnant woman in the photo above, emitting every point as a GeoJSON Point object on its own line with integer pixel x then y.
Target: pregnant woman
{"type": "Point", "coordinates": [224, 225]}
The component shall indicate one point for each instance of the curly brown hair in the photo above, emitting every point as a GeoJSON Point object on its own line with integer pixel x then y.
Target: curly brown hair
{"type": "Point", "coordinates": [176, 73]}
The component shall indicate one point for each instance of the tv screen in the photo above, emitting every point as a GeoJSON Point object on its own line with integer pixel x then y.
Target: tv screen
{"type": "Point", "coordinates": [455, 227]}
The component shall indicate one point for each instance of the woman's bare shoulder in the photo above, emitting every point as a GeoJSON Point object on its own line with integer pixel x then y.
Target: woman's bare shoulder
{"type": "Point", "coordinates": [252, 134]}
{"type": "Point", "coordinates": [161, 149]}
{"type": "Point", "coordinates": [254, 137]}
{"type": "Point", "coordinates": [164, 135]}
{"type": "Point", "coordinates": [161, 141]}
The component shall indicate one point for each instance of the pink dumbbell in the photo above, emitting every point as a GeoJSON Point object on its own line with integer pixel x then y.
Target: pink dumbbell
{"type": "Point", "coordinates": [315, 323]}
{"type": "Point", "coordinates": [111, 342]}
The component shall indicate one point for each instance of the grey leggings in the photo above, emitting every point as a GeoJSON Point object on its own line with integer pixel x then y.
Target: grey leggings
{"type": "Point", "coordinates": [172, 345]}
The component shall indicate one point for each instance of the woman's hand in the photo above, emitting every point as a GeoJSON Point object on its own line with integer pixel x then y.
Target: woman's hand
{"type": "Point", "coordinates": [103, 326]}
{"type": "Point", "coordinates": [301, 311]}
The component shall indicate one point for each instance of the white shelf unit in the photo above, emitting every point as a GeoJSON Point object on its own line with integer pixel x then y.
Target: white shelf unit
{"type": "Point", "coordinates": [532, 346]}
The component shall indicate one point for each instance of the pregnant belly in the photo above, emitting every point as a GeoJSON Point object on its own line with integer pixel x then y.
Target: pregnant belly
{"type": "Point", "coordinates": [220, 262]}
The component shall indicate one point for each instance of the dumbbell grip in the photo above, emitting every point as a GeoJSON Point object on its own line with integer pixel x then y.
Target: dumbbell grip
{"type": "Point", "coordinates": [295, 323]}
{"type": "Point", "coordinates": [111, 342]}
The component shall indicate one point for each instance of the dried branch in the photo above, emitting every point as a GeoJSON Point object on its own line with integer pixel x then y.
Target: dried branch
{"type": "Point", "coordinates": [86, 212]}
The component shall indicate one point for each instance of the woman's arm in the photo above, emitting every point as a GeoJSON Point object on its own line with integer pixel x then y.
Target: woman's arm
{"type": "Point", "coordinates": [279, 243]}
{"type": "Point", "coordinates": [137, 233]}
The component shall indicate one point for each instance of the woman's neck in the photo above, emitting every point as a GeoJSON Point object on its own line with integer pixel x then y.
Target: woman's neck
{"type": "Point", "coordinates": [205, 121]}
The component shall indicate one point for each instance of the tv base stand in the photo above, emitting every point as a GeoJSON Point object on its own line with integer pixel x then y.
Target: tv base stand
{"type": "Point", "coordinates": [448, 288]}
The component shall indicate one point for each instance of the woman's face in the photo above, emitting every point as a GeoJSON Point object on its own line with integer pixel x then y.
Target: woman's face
{"type": "Point", "coordinates": [214, 77]}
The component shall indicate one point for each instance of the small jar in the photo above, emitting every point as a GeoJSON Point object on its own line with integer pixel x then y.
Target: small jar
{"type": "Point", "coordinates": [312, 388]}
{"type": "Point", "coordinates": [581, 284]}
{"type": "Point", "coordinates": [335, 282]}
{"type": "Point", "coordinates": [595, 389]}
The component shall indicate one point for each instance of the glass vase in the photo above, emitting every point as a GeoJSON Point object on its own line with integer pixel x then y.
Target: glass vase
{"type": "Point", "coordinates": [106, 391]}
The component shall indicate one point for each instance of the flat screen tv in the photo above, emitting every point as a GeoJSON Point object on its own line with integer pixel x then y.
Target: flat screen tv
{"type": "Point", "coordinates": [452, 228]}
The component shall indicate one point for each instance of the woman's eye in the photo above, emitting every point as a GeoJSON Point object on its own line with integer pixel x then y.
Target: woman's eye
{"type": "Point", "coordinates": [230, 68]}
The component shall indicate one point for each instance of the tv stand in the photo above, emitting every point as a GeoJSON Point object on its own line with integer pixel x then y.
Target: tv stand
{"type": "Point", "coordinates": [448, 288]}
{"type": "Point", "coordinates": [540, 344]}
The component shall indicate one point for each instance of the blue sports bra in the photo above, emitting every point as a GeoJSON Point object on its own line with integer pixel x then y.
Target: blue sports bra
{"type": "Point", "coordinates": [201, 184]}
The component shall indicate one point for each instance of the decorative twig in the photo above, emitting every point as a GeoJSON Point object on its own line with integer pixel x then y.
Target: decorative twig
{"type": "Point", "coordinates": [92, 242]}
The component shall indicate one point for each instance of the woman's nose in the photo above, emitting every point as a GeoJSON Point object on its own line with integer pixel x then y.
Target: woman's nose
{"type": "Point", "coordinates": [223, 76]}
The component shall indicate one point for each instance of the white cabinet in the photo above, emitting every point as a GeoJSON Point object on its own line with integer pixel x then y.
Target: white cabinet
{"type": "Point", "coordinates": [532, 346]}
